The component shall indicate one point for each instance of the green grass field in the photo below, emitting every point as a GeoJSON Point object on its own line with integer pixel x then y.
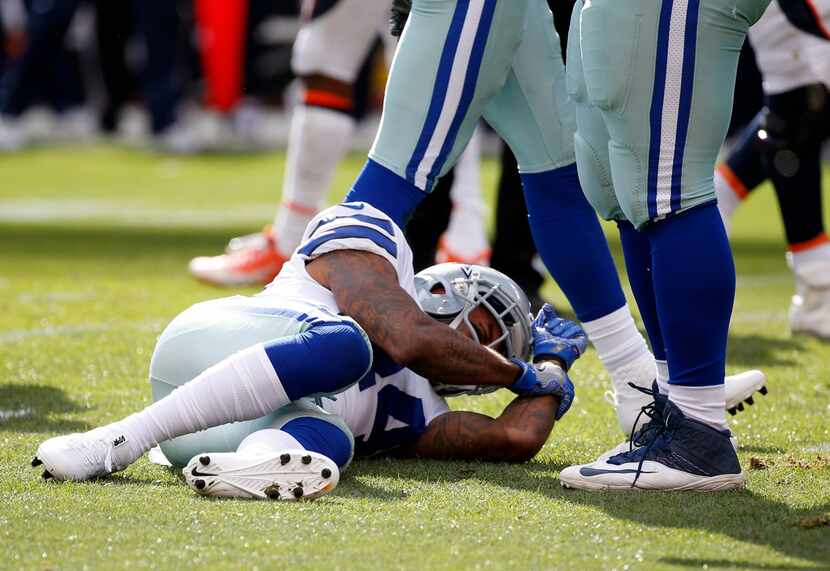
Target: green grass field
{"type": "Point", "coordinates": [93, 249]}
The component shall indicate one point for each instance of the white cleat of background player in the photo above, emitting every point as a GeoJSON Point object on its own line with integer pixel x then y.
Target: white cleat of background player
{"type": "Point", "coordinates": [628, 401]}
{"type": "Point", "coordinates": [810, 307]}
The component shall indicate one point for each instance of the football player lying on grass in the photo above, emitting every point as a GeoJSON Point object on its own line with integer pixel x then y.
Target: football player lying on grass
{"type": "Point", "coordinates": [348, 322]}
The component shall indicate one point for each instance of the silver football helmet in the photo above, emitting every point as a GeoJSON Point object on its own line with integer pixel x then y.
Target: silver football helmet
{"type": "Point", "coordinates": [450, 292]}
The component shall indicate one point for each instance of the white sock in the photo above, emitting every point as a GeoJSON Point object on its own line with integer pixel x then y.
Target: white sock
{"type": "Point", "coordinates": [318, 141]}
{"type": "Point", "coordinates": [466, 236]}
{"type": "Point", "coordinates": [241, 387]}
{"type": "Point", "coordinates": [816, 255]}
{"type": "Point", "coordinates": [269, 440]}
{"type": "Point", "coordinates": [622, 349]}
{"type": "Point", "coordinates": [706, 404]}
{"type": "Point", "coordinates": [663, 376]}
{"type": "Point", "coordinates": [729, 197]}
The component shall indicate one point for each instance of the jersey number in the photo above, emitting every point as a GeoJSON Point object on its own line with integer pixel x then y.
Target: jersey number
{"type": "Point", "coordinates": [396, 404]}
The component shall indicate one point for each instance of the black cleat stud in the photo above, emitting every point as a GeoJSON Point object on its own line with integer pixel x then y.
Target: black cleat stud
{"type": "Point", "coordinates": [326, 473]}
{"type": "Point", "coordinates": [272, 492]}
{"type": "Point", "coordinates": [740, 406]}
{"type": "Point", "coordinates": [46, 475]}
{"type": "Point", "coordinates": [749, 400]}
{"type": "Point", "coordinates": [285, 459]}
{"type": "Point", "coordinates": [306, 459]}
{"type": "Point", "coordinates": [36, 462]}
{"type": "Point", "coordinates": [200, 484]}
{"type": "Point", "coordinates": [298, 492]}
{"type": "Point", "coordinates": [732, 411]}
{"type": "Point", "coordinates": [763, 390]}
{"type": "Point", "coordinates": [204, 460]}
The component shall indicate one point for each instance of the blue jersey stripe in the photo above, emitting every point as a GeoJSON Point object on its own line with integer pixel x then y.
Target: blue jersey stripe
{"type": "Point", "coordinates": [348, 232]}
{"type": "Point", "coordinates": [685, 111]}
{"type": "Point", "coordinates": [656, 114]}
{"type": "Point", "coordinates": [439, 92]}
{"type": "Point", "coordinates": [470, 82]}
{"type": "Point", "coordinates": [384, 225]}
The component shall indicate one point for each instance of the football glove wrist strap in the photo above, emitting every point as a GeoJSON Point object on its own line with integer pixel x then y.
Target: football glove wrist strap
{"type": "Point", "coordinates": [544, 379]}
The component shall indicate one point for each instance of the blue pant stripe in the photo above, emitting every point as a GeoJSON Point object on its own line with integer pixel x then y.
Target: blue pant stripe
{"type": "Point", "coordinates": [686, 88]}
{"type": "Point", "coordinates": [656, 115]}
{"type": "Point", "coordinates": [439, 90]}
{"type": "Point", "coordinates": [470, 82]}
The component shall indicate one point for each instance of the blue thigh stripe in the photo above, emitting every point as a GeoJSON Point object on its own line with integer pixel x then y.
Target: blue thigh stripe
{"type": "Point", "coordinates": [686, 87]}
{"type": "Point", "coordinates": [318, 435]}
{"type": "Point", "coordinates": [656, 115]}
{"type": "Point", "coordinates": [439, 92]}
{"type": "Point", "coordinates": [470, 82]}
{"type": "Point", "coordinates": [350, 232]}
{"type": "Point", "coordinates": [379, 222]}
{"type": "Point", "coordinates": [326, 358]}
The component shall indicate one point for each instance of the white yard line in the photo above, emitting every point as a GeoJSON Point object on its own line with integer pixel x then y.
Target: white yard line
{"type": "Point", "coordinates": [17, 335]}
{"type": "Point", "coordinates": [18, 413]}
{"type": "Point", "coordinates": [765, 280]}
{"type": "Point", "coordinates": [41, 211]}
{"type": "Point", "coordinates": [759, 316]}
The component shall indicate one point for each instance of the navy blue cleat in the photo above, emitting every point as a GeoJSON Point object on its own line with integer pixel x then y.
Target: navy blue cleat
{"type": "Point", "coordinates": [670, 452]}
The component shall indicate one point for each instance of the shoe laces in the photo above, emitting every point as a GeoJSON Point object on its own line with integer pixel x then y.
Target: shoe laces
{"type": "Point", "coordinates": [647, 436]}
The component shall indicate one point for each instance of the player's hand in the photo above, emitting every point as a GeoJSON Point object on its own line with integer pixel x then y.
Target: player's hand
{"type": "Point", "coordinates": [398, 16]}
{"type": "Point", "coordinates": [546, 378]}
{"type": "Point", "coordinates": [557, 338]}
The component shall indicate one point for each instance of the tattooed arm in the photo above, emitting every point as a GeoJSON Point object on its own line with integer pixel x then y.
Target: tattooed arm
{"type": "Point", "coordinates": [515, 436]}
{"type": "Point", "coordinates": [366, 289]}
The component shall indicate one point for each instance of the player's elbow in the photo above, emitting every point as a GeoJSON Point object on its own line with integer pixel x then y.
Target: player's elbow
{"type": "Point", "coordinates": [522, 446]}
{"type": "Point", "coordinates": [404, 352]}
{"type": "Point", "coordinates": [415, 346]}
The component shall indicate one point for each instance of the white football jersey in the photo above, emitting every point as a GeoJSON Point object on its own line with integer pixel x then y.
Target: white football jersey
{"type": "Point", "coordinates": [345, 226]}
{"type": "Point", "coordinates": [392, 405]}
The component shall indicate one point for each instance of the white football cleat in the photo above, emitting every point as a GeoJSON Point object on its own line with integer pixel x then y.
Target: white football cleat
{"type": "Point", "coordinates": [810, 307]}
{"type": "Point", "coordinates": [740, 389]}
{"type": "Point", "coordinates": [80, 457]}
{"type": "Point", "coordinates": [284, 475]}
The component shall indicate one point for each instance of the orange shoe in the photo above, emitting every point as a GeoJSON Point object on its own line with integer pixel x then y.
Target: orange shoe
{"type": "Point", "coordinates": [248, 260]}
{"type": "Point", "coordinates": [445, 254]}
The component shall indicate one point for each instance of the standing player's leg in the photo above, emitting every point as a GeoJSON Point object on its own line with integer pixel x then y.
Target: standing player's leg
{"type": "Point", "coordinates": [542, 136]}
{"type": "Point", "coordinates": [798, 122]}
{"type": "Point", "coordinates": [328, 55]}
{"type": "Point", "coordinates": [661, 167]}
{"type": "Point", "coordinates": [490, 57]}
{"type": "Point", "coordinates": [219, 362]}
{"type": "Point", "coordinates": [786, 146]}
{"type": "Point", "coordinates": [300, 455]}
{"type": "Point", "coordinates": [452, 58]}
{"type": "Point", "coordinates": [741, 173]}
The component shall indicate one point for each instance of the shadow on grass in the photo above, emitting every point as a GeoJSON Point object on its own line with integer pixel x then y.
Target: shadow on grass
{"type": "Point", "coordinates": [755, 351]}
{"type": "Point", "coordinates": [31, 408]}
{"type": "Point", "coordinates": [742, 515]}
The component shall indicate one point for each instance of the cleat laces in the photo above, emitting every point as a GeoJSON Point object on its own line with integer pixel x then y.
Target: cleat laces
{"type": "Point", "coordinates": [642, 441]}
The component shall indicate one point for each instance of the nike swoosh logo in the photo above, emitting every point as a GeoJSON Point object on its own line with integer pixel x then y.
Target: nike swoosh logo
{"type": "Point", "coordinates": [353, 205]}
{"type": "Point", "coordinates": [588, 472]}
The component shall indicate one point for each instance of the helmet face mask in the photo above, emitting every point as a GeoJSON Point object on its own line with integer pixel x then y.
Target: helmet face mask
{"type": "Point", "coordinates": [452, 292]}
